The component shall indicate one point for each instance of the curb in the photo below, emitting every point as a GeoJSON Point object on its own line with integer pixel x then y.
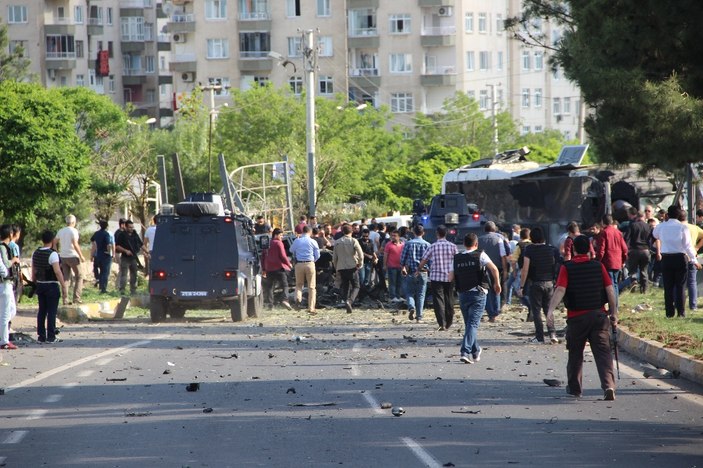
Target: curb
{"type": "Point", "coordinates": [664, 358]}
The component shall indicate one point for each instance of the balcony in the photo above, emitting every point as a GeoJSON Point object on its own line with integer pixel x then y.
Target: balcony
{"type": "Point", "coordinates": [440, 36]}
{"type": "Point", "coordinates": [439, 76]}
{"type": "Point", "coordinates": [363, 72]}
{"type": "Point", "coordinates": [435, 3]}
{"type": "Point", "coordinates": [95, 26]}
{"type": "Point", "coordinates": [133, 76]}
{"type": "Point", "coordinates": [165, 79]}
{"type": "Point", "coordinates": [183, 63]}
{"type": "Point", "coordinates": [136, 3]}
{"type": "Point", "coordinates": [356, 4]}
{"type": "Point", "coordinates": [363, 38]}
{"type": "Point", "coordinates": [255, 60]}
{"type": "Point", "coordinates": [130, 44]}
{"type": "Point", "coordinates": [365, 78]}
{"type": "Point", "coordinates": [254, 21]}
{"type": "Point", "coordinates": [60, 60]}
{"type": "Point", "coordinates": [181, 23]}
{"type": "Point", "coordinates": [164, 43]}
{"type": "Point", "coordinates": [60, 29]}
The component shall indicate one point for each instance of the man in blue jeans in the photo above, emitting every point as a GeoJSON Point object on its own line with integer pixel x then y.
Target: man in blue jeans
{"type": "Point", "coordinates": [415, 284]}
{"type": "Point", "coordinates": [470, 273]}
{"type": "Point", "coordinates": [494, 245]}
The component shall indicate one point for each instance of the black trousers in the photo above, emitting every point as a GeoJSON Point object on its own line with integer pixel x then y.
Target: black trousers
{"type": "Point", "coordinates": [540, 293]}
{"type": "Point", "coordinates": [350, 284]}
{"type": "Point", "coordinates": [675, 275]}
{"type": "Point", "coordinates": [273, 278]}
{"type": "Point", "coordinates": [638, 259]}
{"type": "Point", "coordinates": [443, 301]}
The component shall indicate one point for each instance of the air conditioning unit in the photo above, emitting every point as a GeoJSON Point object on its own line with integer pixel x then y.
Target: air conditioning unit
{"type": "Point", "coordinates": [188, 77]}
{"type": "Point", "coordinates": [179, 38]}
{"type": "Point", "coordinates": [445, 11]}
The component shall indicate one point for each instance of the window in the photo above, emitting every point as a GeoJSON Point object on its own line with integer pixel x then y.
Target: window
{"type": "Point", "coordinates": [294, 46]}
{"type": "Point", "coordinates": [109, 16]}
{"type": "Point", "coordinates": [162, 62]}
{"type": "Point", "coordinates": [150, 64]}
{"type": "Point", "coordinates": [499, 60]}
{"type": "Point", "coordinates": [525, 98]}
{"type": "Point", "coordinates": [483, 99]}
{"type": "Point", "coordinates": [292, 8]}
{"type": "Point", "coordinates": [223, 83]}
{"type": "Point", "coordinates": [132, 28]}
{"type": "Point", "coordinates": [254, 44]}
{"type": "Point", "coordinates": [61, 14]}
{"type": "Point", "coordinates": [400, 24]}
{"type": "Point", "coordinates": [500, 26]}
{"type": "Point", "coordinates": [150, 96]}
{"type": "Point", "coordinates": [325, 46]}
{"type": "Point", "coordinates": [484, 60]}
{"type": "Point", "coordinates": [401, 63]}
{"type": "Point", "coordinates": [539, 60]}
{"type": "Point", "coordinates": [402, 102]}
{"type": "Point", "coordinates": [538, 97]}
{"type": "Point", "coordinates": [80, 80]}
{"type": "Point", "coordinates": [163, 90]}
{"type": "Point", "coordinates": [538, 129]}
{"type": "Point", "coordinates": [362, 22]}
{"type": "Point", "coordinates": [323, 8]}
{"type": "Point", "coordinates": [326, 85]}
{"type": "Point", "coordinates": [16, 14]}
{"type": "Point", "coordinates": [567, 106]}
{"type": "Point", "coordinates": [215, 9]}
{"type": "Point", "coordinates": [111, 84]}
{"type": "Point", "coordinates": [79, 49]}
{"type": "Point", "coordinates": [482, 23]}
{"type": "Point", "coordinates": [555, 74]}
{"type": "Point", "coordinates": [469, 22]}
{"type": "Point", "coordinates": [217, 48]}
{"type": "Point", "coordinates": [78, 14]}
{"type": "Point", "coordinates": [525, 60]}
{"type": "Point", "coordinates": [499, 98]}
{"type": "Point", "coordinates": [96, 15]}
{"type": "Point", "coordinates": [19, 48]}
{"type": "Point", "coordinates": [471, 94]}
{"type": "Point", "coordinates": [110, 49]}
{"type": "Point", "coordinates": [556, 106]}
{"type": "Point", "coordinates": [296, 85]}
{"type": "Point", "coordinates": [148, 31]}
{"type": "Point", "coordinates": [470, 60]}
{"type": "Point", "coordinates": [60, 47]}
{"type": "Point", "coordinates": [525, 130]}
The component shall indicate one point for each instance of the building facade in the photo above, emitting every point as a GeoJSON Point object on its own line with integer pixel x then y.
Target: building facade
{"type": "Point", "coordinates": [410, 55]}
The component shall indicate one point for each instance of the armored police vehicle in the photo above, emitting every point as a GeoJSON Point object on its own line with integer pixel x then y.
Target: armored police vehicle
{"type": "Point", "coordinates": [204, 258]}
{"type": "Point", "coordinates": [451, 210]}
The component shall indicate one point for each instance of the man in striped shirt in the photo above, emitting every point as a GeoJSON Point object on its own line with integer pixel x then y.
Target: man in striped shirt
{"type": "Point", "coordinates": [440, 257]}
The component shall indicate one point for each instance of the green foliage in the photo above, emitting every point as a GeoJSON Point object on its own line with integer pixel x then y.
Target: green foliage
{"type": "Point", "coordinates": [97, 116]}
{"type": "Point", "coordinates": [637, 64]}
{"type": "Point", "coordinates": [13, 66]}
{"type": "Point", "coordinates": [44, 163]}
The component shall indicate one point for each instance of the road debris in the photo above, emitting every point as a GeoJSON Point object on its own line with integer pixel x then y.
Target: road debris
{"type": "Point", "coordinates": [290, 390]}
{"type": "Point", "coordinates": [397, 411]}
{"type": "Point", "coordinates": [137, 414]}
{"type": "Point", "coordinates": [193, 387]}
{"type": "Point", "coordinates": [386, 405]}
{"type": "Point", "coordinates": [167, 371]}
{"type": "Point", "coordinates": [467, 412]}
{"type": "Point", "coordinates": [552, 382]}
{"type": "Point", "coordinates": [313, 404]}
{"type": "Point", "coordinates": [231, 356]}
{"type": "Point", "coordinates": [116, 379]}
{"type": "Point", "coordinates": [404, 356]}
{"type": "Point", "coordinates": [207, 410]}
{"type": "Point", "coordinates": [170, 364]}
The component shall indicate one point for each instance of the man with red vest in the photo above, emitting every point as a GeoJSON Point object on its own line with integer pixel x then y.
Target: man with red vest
{"type": "Point", "coordinates": [585, 286]}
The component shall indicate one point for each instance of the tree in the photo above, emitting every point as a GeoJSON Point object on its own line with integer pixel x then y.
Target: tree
{"type": "Point", "coordinates": [44, 164]}
{"type": "Point", "coordinates": [637, 64]}
{"type": "Point", "coordinates": [14, 65]}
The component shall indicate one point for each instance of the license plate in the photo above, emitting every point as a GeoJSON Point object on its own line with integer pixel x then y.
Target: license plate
{"type": "Point", "coordinates": [193, 293]}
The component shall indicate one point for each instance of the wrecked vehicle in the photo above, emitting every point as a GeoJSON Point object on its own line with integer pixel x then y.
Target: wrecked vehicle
{"type": "Point", "coordinates": [451, 210]}
{"type": "Point", "coordinates": [204, 258]}
{"type": "Point", "coordinates": [512, 190]}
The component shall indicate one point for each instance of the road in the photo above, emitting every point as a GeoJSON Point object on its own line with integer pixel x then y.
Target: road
{"type": "Point", "coordinates": [292, 390]}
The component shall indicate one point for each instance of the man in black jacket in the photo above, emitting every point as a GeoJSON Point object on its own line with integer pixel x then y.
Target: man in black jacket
{"type": "Point", "coordinates": [129, 244]}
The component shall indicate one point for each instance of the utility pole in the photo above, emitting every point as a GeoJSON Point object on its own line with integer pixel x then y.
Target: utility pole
{"type": "Point", "coordinates": [310, 66]}
{"type": "Point", "coordinates": [494, 112]}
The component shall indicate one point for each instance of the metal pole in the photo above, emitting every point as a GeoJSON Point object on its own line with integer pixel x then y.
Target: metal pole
{"type": "Point", "coordinates": [289, 195]}
{"type": "Point", "coordinates": [582, 118]}
{"type": "Point", "coordinates": [209, 154]}
{"type": "Point", "coordinates": [494, 105]}
{"type": "Point", "coordinates": [310, 62]}
{"type": "Point", "coordinates": [161, 167]}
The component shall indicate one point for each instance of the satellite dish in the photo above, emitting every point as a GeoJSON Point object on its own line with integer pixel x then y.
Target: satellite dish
{"type": "Point", "coordinates": [167, 8]}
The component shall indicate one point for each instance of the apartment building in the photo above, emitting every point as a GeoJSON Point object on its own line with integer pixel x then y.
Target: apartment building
{"type": "Point", "coordinates": [107, 45]}
{"type": "Point", "coordinates": [410, 55]}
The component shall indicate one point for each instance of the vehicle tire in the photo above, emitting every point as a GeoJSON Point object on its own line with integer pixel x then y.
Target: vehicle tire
{"type": "Point", "coordinates": [158, 307]}
{"type": "Point", "coordinates": [255, 305]}
{"type": "Point", "coordinates": [238, 307]}
{"type": "Point", "coordinates": [177, 312]}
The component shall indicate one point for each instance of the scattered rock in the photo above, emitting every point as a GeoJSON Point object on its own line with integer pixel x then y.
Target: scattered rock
{"type": "Point", "coordinates": [290, 390]}
{"type": "Point", "coordinates": [404, 356]}
{"type": "Point", "coordinates": [170, 363]}
{"type": "Point", "coordinates": [116, 379]}
{"type": "Point", "coordinates": [397, 411]}
{"type": "Point", "coordinates": [552, 382]}
{"type": "Point", "coordinates": [207, 410]}
{"type": "Point", "coordinates": [386, 405]}
{"type": "Point", "coordinates": [193, 387]}
{"type": "Point", "coordinates": [167, 371]}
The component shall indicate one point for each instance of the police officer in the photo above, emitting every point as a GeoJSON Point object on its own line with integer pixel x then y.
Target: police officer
{"type": "Point", "coordinates": [585, 286]}
{"type": "Point", "coordinates": [472, 283]}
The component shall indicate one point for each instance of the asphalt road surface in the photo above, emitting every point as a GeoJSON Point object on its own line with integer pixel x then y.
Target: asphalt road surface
{"type": "Point", "coordinates": [290, 390]}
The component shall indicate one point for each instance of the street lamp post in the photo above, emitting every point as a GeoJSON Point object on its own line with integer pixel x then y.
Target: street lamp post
{"type": "Point", "coordinates": [211, 88]}
{"type": "Point", "coordinates": [310, 64]}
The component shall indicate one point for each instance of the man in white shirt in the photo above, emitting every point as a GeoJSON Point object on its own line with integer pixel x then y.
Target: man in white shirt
{"type": "Point", "coordinates": [676, 252]}
{"type": "Point", "coordinates": [71, 256]}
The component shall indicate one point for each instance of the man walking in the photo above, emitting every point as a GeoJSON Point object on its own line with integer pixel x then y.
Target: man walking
{"type": "Point", "coordinates": [440, 257]}
{"type": "Point", "coordinates": [102, 249]}
{"type": "Point", "coordinates": [637, 238]}
{"type": "Point", "coordinates": [129, 245]}
{"type": "Point", "coordinates": [71, 257]}
{"type": "Point", "coordinates": [611, 250]}
{"type": "Point", "coordinates": [46, 273]}
{"type": "Point", "coordinates": [415, 279]}
{"type": "Point", "coordinates": [306, 252]}
{"type": "Point", "coordinates": [391, 263]}
{"type": "Point", "coordinates": [676, 250]}
{"type": "Point", "coordinates": [586, 286]}
{"type": "Point", "coordinates": [538, 270]}
{"type": "Point", "coordinates": [276, 268]}
{"type": "Point", "coordinates": [494, 245]}
{"type": "Point", "coordinates": [692, 280]}
{"type": "Point", "coordinates": [348, 259]}
{"type": "Point", "coordinates": [7, 294]}
{"type": "Point", "coordinates": [472, 284]}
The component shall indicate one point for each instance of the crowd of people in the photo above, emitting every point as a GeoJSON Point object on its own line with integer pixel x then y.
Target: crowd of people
{"type": "Point", "coordinates": [57, 273]}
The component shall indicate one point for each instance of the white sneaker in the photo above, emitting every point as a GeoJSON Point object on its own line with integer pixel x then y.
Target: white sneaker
{"type": "Point", "coordinates": [466, 359]}
{"type": "Point", "coordinates": [477, 356]}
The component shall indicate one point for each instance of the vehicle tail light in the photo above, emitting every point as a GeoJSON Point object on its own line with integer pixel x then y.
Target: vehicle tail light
{"type": "Point", "coordinates": [229, 275]}
{"type": "Point", "coordinates": [452, 232]}
{"type": "Point", "coordinates": [475, 216]}
{"type": "Point", "coordinates": [228, 219]}
{"type": "Point", "coordinates": [158, 275]}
